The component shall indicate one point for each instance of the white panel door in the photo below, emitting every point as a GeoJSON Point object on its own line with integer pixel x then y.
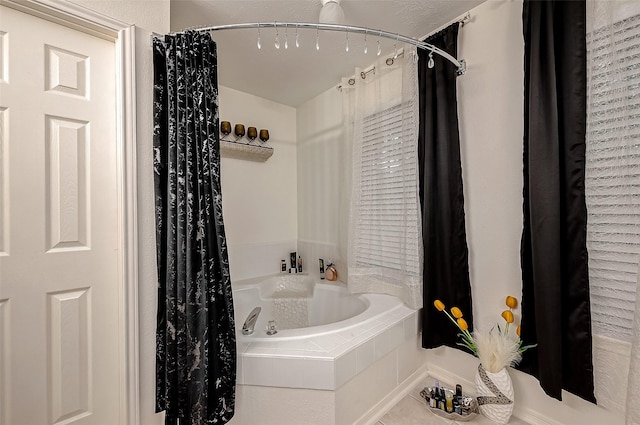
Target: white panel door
{"type": "Point", "coordinates": [59, 279]}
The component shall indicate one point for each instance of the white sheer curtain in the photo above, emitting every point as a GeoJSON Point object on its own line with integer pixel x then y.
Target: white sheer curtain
{"type": "Point", "coordinates": [385, 242]}
{"type": "Point", "coordinates": [613, 199]}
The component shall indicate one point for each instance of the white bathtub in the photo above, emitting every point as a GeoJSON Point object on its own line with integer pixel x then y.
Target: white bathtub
{"type": "Point", "coordinates": [320, 328]}
{"type": "Point", "coordinates": [303, 308]}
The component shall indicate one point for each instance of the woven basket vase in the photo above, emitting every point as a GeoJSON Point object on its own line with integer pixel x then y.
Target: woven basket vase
{"type": "Point", "coordinates": [495, 394]}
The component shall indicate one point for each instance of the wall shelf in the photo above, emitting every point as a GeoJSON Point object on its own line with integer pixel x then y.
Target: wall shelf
{"type": "Point", "coordinates": [245, 151]}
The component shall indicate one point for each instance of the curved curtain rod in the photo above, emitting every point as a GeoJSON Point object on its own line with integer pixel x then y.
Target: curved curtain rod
{"type": "Point", "coordinates": [460, 65]}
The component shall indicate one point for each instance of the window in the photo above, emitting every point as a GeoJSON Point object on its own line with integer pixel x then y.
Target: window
{"type": "Point", "coordinates": [388, 229]}
{"type": "Point", "coordinates": [613, 175]}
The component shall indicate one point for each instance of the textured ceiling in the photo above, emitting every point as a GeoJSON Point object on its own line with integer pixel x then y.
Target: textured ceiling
{"type": "Point", "coordinates": [294, 76]}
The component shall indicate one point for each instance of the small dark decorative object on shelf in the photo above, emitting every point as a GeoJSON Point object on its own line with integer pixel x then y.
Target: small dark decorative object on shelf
{"type": "Point", "coordinates": [252, 133]}
{"type": "Point", "coordinates": [239, 130]}
{"type": "Point", "coordinates": [225, 127]}
{"type": "Point", "coordinates": [264, 135]}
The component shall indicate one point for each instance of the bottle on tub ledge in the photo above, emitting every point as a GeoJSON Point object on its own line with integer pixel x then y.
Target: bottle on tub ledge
{"type": "Point", "coordinates": [296, 264]}
{"type": "Point", "coordinates": [321, 264]}
{"type": "Point", "coordinates": [293, 264]}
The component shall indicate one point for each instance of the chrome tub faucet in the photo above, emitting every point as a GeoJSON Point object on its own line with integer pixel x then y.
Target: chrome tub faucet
{"type": "Point", "coordinates": [250, 323]}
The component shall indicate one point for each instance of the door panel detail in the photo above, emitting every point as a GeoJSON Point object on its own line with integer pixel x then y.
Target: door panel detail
{"type": "Point", "coordinates": [4, 57]}
{"type": "Point", "coordinates": [67, 186]}
{"type": "Point", "coordinates": [69, 355]}
{"type": "Point", "coordinates": [67, 72]}
{"type": "Point", "coordinates": [4, 179]}
{"type": "Point", "coordinates": [5, 402]}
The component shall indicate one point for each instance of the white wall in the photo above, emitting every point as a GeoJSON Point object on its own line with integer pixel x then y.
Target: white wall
{"type": "Point", "coordinates": [322, 203]}
{"type": "Point", "coordinates": [148, 16]}
{"type": "Point", "coordinates": [259, 199]}
{"type": "Point", "coordinates": [490, 108]}
{"type": "Point", "coordinates": [320, 133]}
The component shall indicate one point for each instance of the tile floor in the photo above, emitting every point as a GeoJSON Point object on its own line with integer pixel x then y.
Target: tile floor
{"type": "Point", "coordinates": [412, 410]}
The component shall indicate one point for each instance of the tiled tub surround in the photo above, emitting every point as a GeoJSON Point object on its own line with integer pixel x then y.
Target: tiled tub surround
{"type": "Point", "coordinates": [330, 373]}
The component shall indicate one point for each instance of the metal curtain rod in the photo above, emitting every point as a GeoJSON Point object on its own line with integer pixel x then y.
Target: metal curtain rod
{"type": "Point", "coordinates": [460, 65]}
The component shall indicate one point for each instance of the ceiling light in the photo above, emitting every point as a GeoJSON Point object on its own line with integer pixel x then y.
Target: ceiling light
{"type": "Point", "coordinates": [331, 12]}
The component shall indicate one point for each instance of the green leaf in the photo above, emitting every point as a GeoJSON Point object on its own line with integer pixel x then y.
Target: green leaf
{"type": "Point", "coordinates": [473, 351]}
{"type": "Point", "coordinates": [526, 347]}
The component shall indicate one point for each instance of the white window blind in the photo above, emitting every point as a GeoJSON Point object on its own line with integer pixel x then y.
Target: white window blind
{"type": "Point", "coordinates": [388, 233]}
{"type": "Point", "coordinates": [613, 175]}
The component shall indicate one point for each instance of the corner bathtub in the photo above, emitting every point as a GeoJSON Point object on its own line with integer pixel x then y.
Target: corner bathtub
{"type": "Point", "coordinates": [322, 328]}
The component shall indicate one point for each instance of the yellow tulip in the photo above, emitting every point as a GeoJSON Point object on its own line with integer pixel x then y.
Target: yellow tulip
{"type": "Point", "coordinates": [512, 302]}
{"type": "Point", "coordinates": [518, 330]}
{"type": "Point", "coordinates": [462, 324]}
{"type": "Point", "coordinates": [455, 311]}
{"type": "Point", "coordinates": [507, 315]}
{"type": "Point", "coordinates": [439, 305]}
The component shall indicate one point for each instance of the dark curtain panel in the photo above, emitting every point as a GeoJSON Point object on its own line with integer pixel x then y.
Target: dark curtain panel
{"type": "Point", "coordinates": [446, 263]}
{"type": "Point", "coordinates": [195, 335]}
{"type": "Point", "coordinates": [555, 302]}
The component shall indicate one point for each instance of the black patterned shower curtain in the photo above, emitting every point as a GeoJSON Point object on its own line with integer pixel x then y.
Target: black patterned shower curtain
{"type": "Point", "coordinates": [195, 334]}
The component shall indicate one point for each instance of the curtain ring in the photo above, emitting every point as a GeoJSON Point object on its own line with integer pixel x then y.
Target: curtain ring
{"type": "Point", "coordinates": [395, 47]}
{"type": "Point", "coordinates": [366, 49]}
